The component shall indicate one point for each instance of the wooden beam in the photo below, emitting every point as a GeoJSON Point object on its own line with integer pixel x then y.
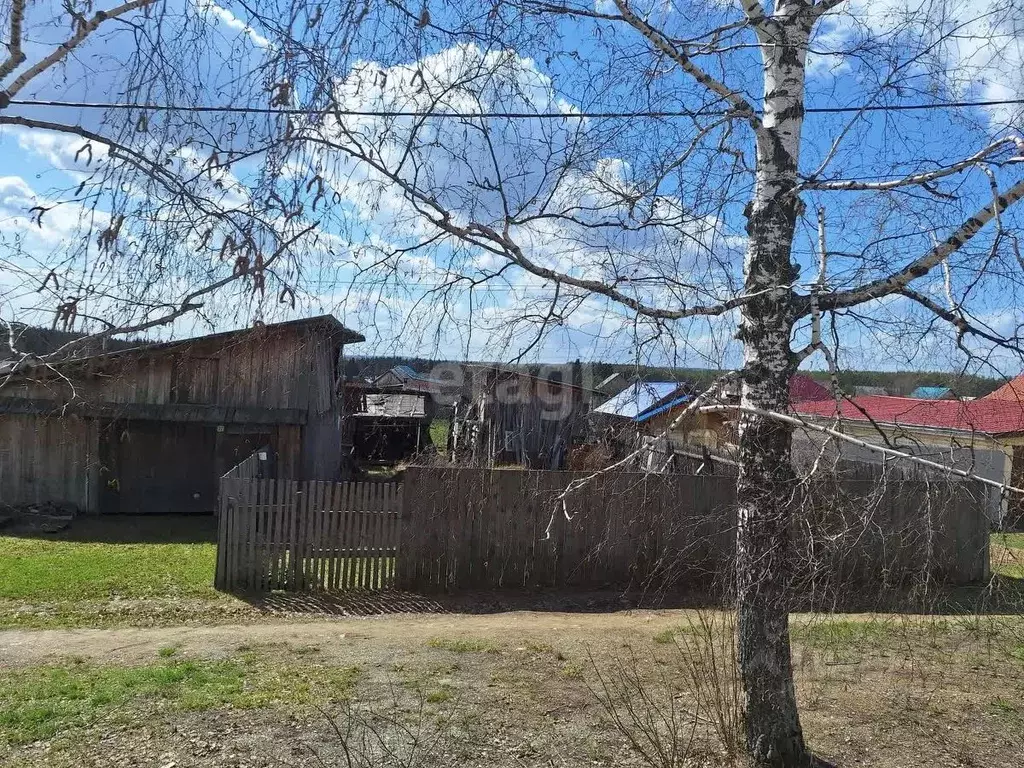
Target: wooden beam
{"type": "Point", "coordinates": [196, 413]}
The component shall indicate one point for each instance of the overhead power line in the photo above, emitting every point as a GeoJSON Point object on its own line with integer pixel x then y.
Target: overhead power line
{"type": "Point", "coordinates": [234, 109]}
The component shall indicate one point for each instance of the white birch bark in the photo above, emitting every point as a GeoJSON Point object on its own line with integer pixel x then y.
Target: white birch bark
{"type": "Point", "coordinates": [766, 480]}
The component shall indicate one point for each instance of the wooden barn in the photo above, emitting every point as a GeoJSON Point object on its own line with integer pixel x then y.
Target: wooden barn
{"type": "Point", "coordinates": [151, 428]}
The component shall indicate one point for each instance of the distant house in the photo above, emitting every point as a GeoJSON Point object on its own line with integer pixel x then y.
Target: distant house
{"type": "Point", "coordinates": [649, 408]}
{"type": "Point", "coordinates": [933, 393]}
{"type": "Point", "coordinates": [802, 389]}
{"type": "Point", "coordinates": [868, 391]}
{"type": "Point", "coordinates": [642, 396]}
{"type": "Point", "coordinates": [983, 436]}
{"type": "Point", "coordinates": [653, 407]}
{"type": "Point", "coordinates": [1011, 392]}
{"type": "Point", "coordinates": [403, 377]}
{"type": "Point", "coordinates": [150, 428]}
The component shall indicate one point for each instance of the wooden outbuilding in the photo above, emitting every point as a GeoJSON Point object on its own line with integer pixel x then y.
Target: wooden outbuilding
{"type": "Point", "coordinates": [515, 417]}
{"type": "Point", "coordinates": [151, 428]}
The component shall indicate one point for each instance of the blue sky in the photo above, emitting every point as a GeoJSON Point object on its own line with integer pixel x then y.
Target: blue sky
{"type": "Point", "coordinates": [397, 312]}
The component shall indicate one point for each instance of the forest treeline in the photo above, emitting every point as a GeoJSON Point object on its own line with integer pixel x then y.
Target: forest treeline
{"type": "Point", "coordinates": [900, 383]}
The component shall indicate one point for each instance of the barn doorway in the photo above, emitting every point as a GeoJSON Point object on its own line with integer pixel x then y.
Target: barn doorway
{"type": "Point", "coordinates": [157, 467]}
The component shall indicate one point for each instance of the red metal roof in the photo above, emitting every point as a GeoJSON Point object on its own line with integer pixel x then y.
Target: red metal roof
{"type": "Point", "coordinates": [991, 416]}
{"type": "Point", "coordinates": [1012, 390]}
{"type": "Point", "coordinates": [803, 388]}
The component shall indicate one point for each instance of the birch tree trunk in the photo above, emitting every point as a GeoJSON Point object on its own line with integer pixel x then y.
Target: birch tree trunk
{"type": "Point", "coordinates": [766, 478]}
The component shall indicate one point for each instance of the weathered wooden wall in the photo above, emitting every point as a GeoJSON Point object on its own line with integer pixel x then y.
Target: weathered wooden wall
{"type": "Point", "coordinates": [476, 528]}
{"type": "Point", "coordinates": [48, 458]}
{"type": "Point", "coordinates": [157, 467]}
{"type": "Point", "coordinates": [291, 368]}
{"type": "Point", "coordinates": [256, 466]}
{"type": "Point", "coordinates": [286, 376]}
{"type": "Point", "coordinates": [322, 434]}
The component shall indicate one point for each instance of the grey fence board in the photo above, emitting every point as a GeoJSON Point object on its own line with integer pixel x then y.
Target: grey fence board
{"type": "Point", "coordinates": [487, 529]}
{"type": "Point", "coordinates": [308, 536]}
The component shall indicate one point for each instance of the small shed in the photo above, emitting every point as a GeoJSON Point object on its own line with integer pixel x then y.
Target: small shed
{"type": "Point", "coordinates": [150, 428]}
{"type": "Point", "coordinates": [388, 427]}
{"type": "Point", "coordinates": [638, 398]}
{"type": "Point", "coordinates": [652, 407]}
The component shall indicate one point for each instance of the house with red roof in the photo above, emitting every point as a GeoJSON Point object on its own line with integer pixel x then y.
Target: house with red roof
{"type": "Point", "coordinates": [983, 436]}
{"type": "Point", "coordinates": [1012, 391]}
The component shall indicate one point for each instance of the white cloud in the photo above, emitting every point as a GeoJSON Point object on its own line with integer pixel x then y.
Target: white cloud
{"type": "Point", "coordinates": [14, 190]}
{"type": "Point", "coordinates": [971, 48]}
{"type": "Point", "coordinates": [61, 150]}
{"type": "Point", "coordinates": [226, 17]}
{"type": "Point", "coordinates": [58, 224]}
{"type": "Point", "coordinates": [566, 201]}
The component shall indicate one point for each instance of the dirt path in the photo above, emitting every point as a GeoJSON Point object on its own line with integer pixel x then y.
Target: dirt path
{"type": "Point", "coordinates": [339, 637]}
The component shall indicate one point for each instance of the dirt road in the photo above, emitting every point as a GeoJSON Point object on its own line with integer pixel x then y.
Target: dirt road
{"type": "Point", "coordinates": [337, 636]}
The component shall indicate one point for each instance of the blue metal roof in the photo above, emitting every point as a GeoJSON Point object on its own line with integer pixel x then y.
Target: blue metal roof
{"type": "Point", "coordinates": [662, 408]}
{"type": "Point", "coordinates": [637, 398]}
{"type": "Point", "coordinates": [405, 372]}
{"type": "Point", "coordinates": [932, 393]}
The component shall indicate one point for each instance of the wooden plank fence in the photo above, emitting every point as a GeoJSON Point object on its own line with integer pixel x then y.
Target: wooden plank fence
{"type": "Point", "coordinates": [490, 529]}
{"type": "Point", "coordinates": [307, 536]}
{"type": "Point", "coordinates": [256, 465]}
{"type": "Point", "coordinates": [445, 529]}
{"type": "Point", "coordinates": [502, 529]}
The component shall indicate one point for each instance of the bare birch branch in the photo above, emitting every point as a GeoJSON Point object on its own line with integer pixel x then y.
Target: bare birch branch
{"type": "Point", "coordinates": [661, 42]}
{"type": "Point", "coordinates": [83, 29]}
{"type": "Point", "coordinates": [920, 267]}
{"type": "Point", "coordinates": [955, 317]}
{"type": "Point", "coordinates": [691, 408]}
{"type": "Point", "coordinates": [802, 423]}
{"type": "Point", "coordinates": [15, 54]}
{"type": "Point", "coordinates": [188, 303]}
{"type": "Point", "coordinates": [924, 177]}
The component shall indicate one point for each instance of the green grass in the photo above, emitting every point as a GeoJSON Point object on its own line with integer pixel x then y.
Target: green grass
{"type": "Point", "coordinates": [43, 570]}
{"type": "Point", "coordinates": [1009, 571]}
{"type": "Point", "coordinates": [841, 633]}
{"type": "Point", "coordinates": [112, 571]}
{"type": "Point", "coordinates": [462, 645]}
{"type": "Point", "coordinates": [40, 702]}
{"type": "Point", "coordinates": [440, 695]}
{"type": "Point", "coordinates": [1009, 564]}
{"type": "Point", "coordinates": [665, 637]}
{"type": "Point", "coordinates": [1012, 540]}
{"type": "Point", "coordinates": [439, 433]}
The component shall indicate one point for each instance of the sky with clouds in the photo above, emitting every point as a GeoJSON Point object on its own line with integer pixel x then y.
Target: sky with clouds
{"type": "Point", "coordinates": [689, 250]}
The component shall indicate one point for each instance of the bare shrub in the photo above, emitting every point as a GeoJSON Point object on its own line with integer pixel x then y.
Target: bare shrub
{"type": "Point", "coordinates": [660, 713]}
{"type": "Point", "coordinates": [389, 734]}
{"type": "Point", "coordinates": [707, 651]}
{"type": "Point", "coordinates": [648, 713]}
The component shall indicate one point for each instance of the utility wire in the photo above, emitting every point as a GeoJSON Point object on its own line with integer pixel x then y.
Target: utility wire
{"type": "Point", "coordinates": [231, 109]}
